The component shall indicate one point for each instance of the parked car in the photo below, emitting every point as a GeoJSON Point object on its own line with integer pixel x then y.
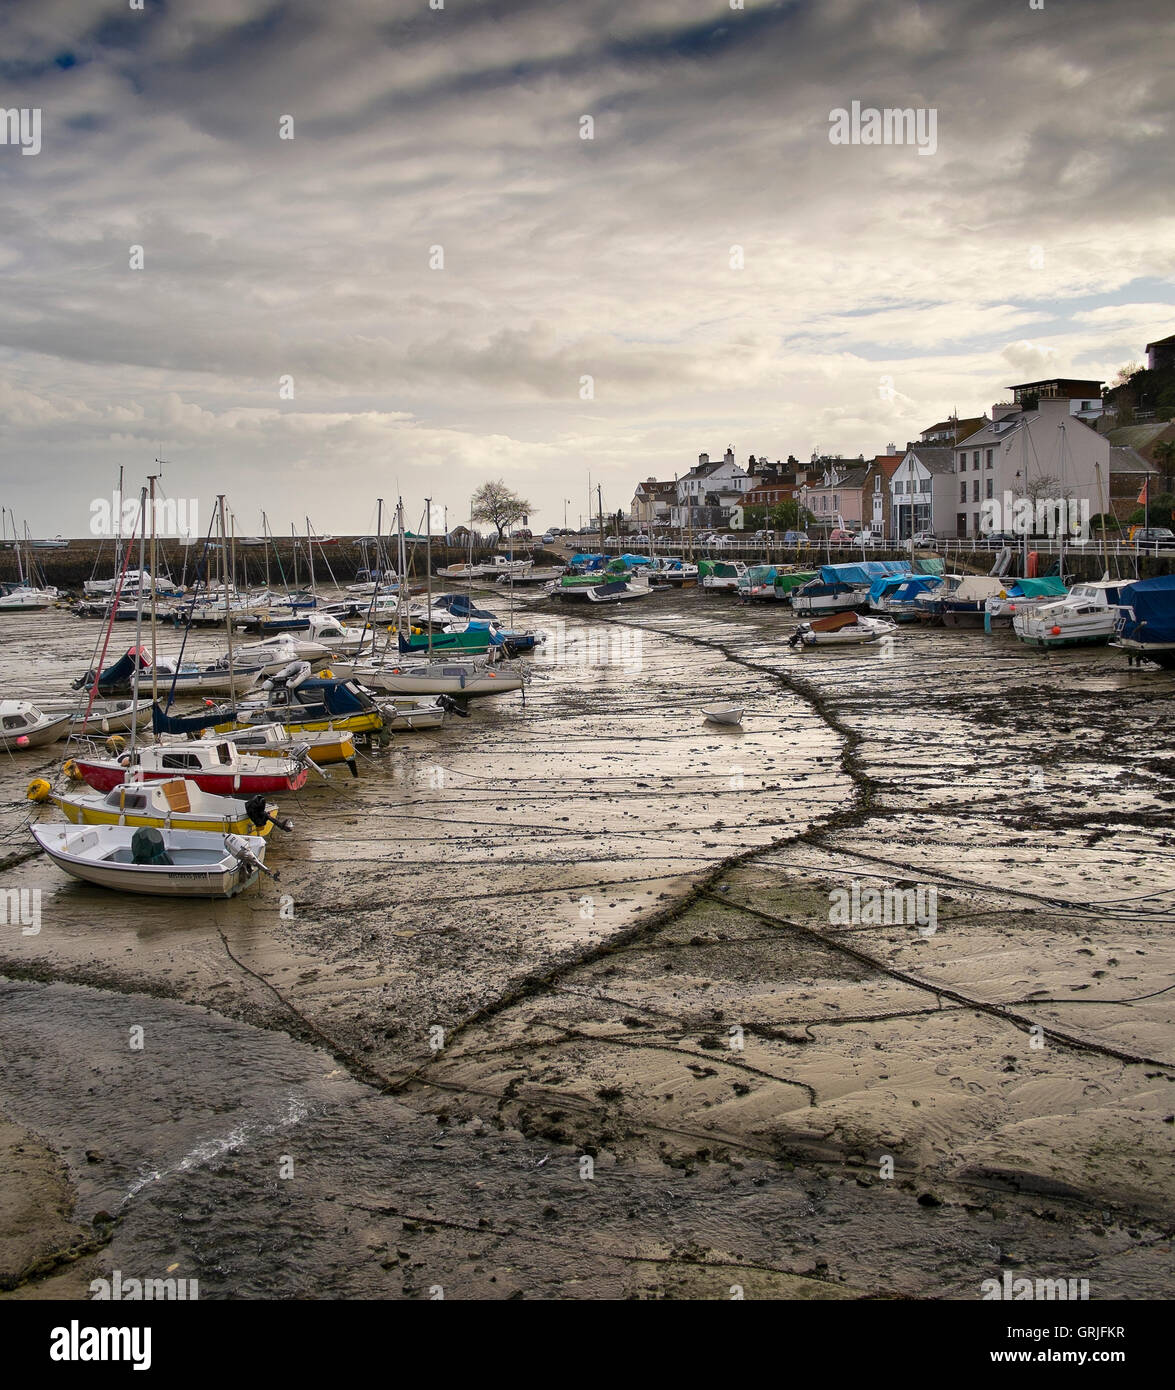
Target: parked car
{"type": "Point", "coordinates": [924, 538]}
{"type": "Point", "coordinates": [764, 535]}
{"type": "Point", "coordinates": [548, 538]}
{"type": "Point", "coordinates": [839, 537]}
{"type": "Point", "coordinates": [796, 538]}
{"type": "Point", "coordinates": [1002, 538]}
{"type": "Point", "coordinates": [1154, 535]}
{"type": "Point", "coordinates": [866, 538]}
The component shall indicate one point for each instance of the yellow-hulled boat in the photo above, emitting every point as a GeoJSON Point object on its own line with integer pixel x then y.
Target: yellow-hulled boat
{"type": "Point", "coordinates": [285, 741]}
{"type": "Point", "coordinates": [177, 804]}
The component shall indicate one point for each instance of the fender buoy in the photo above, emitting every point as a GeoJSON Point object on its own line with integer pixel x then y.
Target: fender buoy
{"type": "Point", "coordinates": [1056, 631]}
{"type": "Point", "coordinates": [115, 743]}
{"type": "Point", "coordinates": [71, 770]}
{"type": "Point", "coordinates": [38, 790]}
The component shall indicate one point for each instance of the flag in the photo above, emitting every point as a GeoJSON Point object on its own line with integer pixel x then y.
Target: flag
{"type": "Point", "coordinates": [1142, 496]}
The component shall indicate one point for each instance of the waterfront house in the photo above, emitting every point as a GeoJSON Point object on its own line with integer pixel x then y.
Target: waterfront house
{"type": "Point", "coordinates": [922, 490]}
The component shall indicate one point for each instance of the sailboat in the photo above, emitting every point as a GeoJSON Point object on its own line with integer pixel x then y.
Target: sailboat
{"type": "Point", "coordinates": [23, 596]}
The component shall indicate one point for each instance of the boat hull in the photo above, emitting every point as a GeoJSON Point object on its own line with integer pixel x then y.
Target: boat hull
{"type": "Point", "coordinates": [210, 876]}
{"type": "Point", "coordinates": [104, 776]}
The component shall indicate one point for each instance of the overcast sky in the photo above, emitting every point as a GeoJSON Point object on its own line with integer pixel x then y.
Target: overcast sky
{"type": "Point", "coordinates": [880, 288]}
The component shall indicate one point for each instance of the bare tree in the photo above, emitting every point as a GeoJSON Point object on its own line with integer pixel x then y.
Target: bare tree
{"type": "Point", "coordinates": [497, 504]}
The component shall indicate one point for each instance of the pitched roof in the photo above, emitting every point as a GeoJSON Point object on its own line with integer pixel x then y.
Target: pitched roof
{"type": "Point", "coordinates": [935, 458]}
{"type": "Point", "coordinates": [1138, 436]}
{"type": "Point", "coordinates": [959, 428]}
{"type": "Point", "coordinates": [1127, 460]}
{"type": "Point", "coordinates": [1160, 342]}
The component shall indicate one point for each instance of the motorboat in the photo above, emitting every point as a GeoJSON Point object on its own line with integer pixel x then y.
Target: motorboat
{"type": "Point", "coordinates": [722, 574]}
{"type": "Point", "coordinates": [102, 716]}
{"type": "Point", "coordinates": [620, 590]}
{"type": "Point", "coordinates": [163, 863]}
{"type": "Point", "coordinates": [841, 630]}
{"type": "Point", "coordinates": [818, 598]}
{"type": "Point", "coordinates": [1021, 596]}
{"type": "Point", "coordinates": [23, 598]}
{"type": "Point", "coordinates": [672, 570]}
{"type": "Point", "coordinates": [1146, 621]}
{"type": "Point", "coordinates": [1069, 622]}
{"type": "Point", "coordinates": [25, 725]}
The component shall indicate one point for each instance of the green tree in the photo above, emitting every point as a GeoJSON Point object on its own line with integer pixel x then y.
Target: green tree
{"type": "Point", "coordinates": [495, 503]}
{"type": "Point", "coordinates": [1162, 511]}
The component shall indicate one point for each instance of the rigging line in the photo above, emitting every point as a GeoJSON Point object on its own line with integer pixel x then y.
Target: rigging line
{"type": "Point", "coordinates": [983, 1006]}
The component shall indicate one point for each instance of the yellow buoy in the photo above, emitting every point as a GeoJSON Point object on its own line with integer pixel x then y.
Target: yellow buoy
{"type": "Point", "coordinates": [38, 790]}
{"type": "Point", "coordinates": [115, 743]}
{"type": "Point", "coordinates": [71, 771]}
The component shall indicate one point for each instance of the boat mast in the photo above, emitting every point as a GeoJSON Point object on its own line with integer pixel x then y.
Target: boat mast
{"type": "Point", "coordinates": [294, 548]}
{"type": "Point", "coordinates": [154, 672]}
{"type": "Point", "coordinates": [138, 629]}
{"type": "Point", "coordinates": [428, 566]}
{"type": "Point", "coordinates": [118, 527]}
{"type": "Point", "coordinates": [228, 626]}
{"type": "Point", "coordinates": [600, 508]}
{"type": "Point", "coordinates": [265, 548]}
{"type": "Point", "coordinates": [310, 552]}
{"type": "Point", "coordinates": [1065, 524]}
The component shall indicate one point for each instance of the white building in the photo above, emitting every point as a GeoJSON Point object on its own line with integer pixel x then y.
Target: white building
{"type": "Point", "coordinates": [706, 494]}
{"type": "Point", "coordinates": [1047, 454]}
{"type": "Point", "coordinates": [922, 490]}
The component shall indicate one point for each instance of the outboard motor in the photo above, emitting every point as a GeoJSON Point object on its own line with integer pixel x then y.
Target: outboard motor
{"type": "Point", "coordinates": [258, 812]}
{"type": "Point", "coordinates": [451, 706]}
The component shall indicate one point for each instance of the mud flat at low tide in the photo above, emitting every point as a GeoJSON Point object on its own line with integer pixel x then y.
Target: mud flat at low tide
{"type": "Point", "coordinates": [587, 997]}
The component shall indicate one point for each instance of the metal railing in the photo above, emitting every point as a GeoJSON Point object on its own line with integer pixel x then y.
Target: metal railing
{"type": "Point", "coordinates": [740, 546]}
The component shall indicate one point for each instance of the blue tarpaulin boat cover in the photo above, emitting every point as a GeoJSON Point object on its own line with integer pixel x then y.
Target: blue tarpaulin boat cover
{"type": "Point", "coordinates": [1149, 606]}
{"type": "Point", "coordinates": [587, 562]}
{"type": "Point", "coordinates": [862, 571]}
{"type": "Point", "coordinates": [904, 585]}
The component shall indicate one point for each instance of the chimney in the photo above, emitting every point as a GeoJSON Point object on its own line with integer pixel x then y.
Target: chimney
{"type": "Point", "coordinates": [891, 449]}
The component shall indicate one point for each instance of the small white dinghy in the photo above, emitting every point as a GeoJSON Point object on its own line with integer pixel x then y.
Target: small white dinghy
{"type": "Point", "coordinates": [165, 863]}
{"type": "Point", "coordinates": [723, 714]}
{"type": "Point", "coordinates": [23, 725]}
{"type": "Point", "coordinates": [841, 630]}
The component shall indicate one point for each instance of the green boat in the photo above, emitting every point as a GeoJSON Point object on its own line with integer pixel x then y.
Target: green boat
{"type": "Point", "coordinates": [471, 641]}
{"type": "Point", "coordinates": [786, 581]}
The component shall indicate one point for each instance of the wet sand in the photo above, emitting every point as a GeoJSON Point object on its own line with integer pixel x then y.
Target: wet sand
{"type": "Point", "coordinates": [619, 917]}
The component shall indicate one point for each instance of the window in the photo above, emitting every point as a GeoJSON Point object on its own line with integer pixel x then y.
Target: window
{"type": "Point", "coordinates": [987, 461]}
{"type": "Point", "coordinates": [179, 762]}
{"type": "Point", "coordinates": [975, 487]}
{"type": "Point", "coordinates": [924, 485]}
{"type": "Point", "coordinates": [835, 502]}
{"type": "Point", "coordinates": [975, 460]}
{"type": "Point", "coordinates": [975, 520]}
{"type": "Point", "coordinates": [990, 484]}
{"type": "Point", "coordinates": [963, 492]}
